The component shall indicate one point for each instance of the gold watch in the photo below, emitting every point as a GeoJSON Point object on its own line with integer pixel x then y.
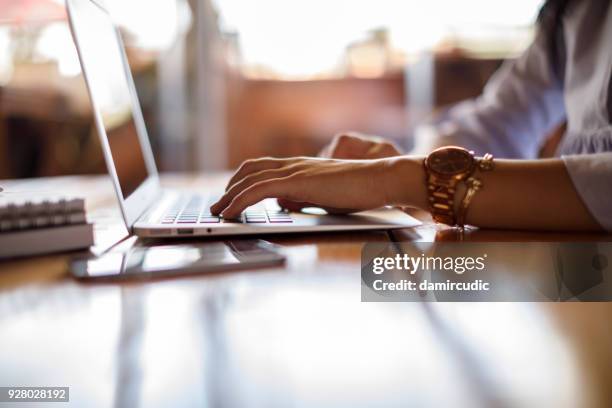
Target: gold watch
{"type": "Point", "coordinates": [445, 168]}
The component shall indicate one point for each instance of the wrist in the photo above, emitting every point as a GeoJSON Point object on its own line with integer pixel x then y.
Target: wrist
{"type": "Point", "coordinates": [404, 181]}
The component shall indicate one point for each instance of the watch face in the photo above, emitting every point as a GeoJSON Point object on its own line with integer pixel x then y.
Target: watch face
{"type": "Point", "coordinates": [450, 161]}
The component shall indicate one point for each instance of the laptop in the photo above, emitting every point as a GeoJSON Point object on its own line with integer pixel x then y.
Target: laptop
{"type": "Point", "coordinates": [149, 210]}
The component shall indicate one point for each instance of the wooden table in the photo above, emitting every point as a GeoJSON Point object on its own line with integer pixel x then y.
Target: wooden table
{"type": "Point", "coordinates": [292, 336]}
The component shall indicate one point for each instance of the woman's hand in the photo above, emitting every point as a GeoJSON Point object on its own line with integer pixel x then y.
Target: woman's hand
{"type": "Point", "coordinates": [339, 185]}
{"type": "Point", "coordinates": [357, 146]}
{"type": "Point", "coordinates": [352, 146]}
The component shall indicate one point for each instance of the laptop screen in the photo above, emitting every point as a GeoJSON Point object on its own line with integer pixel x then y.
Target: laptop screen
{"type": "Point", "coordinates": [101, 57]}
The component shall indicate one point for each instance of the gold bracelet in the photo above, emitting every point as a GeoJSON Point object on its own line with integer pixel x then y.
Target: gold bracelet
{"type": "Point", "coordinates": [473, 185]}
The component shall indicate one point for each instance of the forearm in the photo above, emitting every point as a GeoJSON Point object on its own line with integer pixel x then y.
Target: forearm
{"type": "Point", "coordinates": [517, 194]}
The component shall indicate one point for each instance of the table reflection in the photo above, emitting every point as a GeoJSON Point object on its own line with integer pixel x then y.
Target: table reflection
{"type": "Point", "coordinates": [281, 337]}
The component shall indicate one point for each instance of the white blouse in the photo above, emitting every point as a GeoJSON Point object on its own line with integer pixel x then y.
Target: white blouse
{"type": "Point", "coordinates": [525, 99]}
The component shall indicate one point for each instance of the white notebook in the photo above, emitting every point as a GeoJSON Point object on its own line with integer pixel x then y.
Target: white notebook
{"type": "Point", "coordinates": [33, 225]}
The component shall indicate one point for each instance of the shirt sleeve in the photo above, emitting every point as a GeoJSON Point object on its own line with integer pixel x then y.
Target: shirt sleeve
{"type": "Point", "coordinates": [520, 104]}
{"type": "Point", "coordinates": [592, 178]}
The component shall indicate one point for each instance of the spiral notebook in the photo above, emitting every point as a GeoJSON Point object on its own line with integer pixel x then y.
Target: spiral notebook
{"type": "Point", "coordinates": [33, 225]}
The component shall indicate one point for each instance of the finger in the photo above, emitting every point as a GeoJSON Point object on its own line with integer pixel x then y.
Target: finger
{"type": "Point", "coordinates": [325, 152]}
{"type": "Point", "coordinates": [339, 146]}
{"type": "Point", "coordinates": [295, 206]}
{"type": "Point", "coordinates": [264, 189]}
{"type": "Point", "coordinates": [338, 140]}
{"type": "Point", "coordinates": [336, 211]}
{"type": "Point", "coordinates": [245, 183]}
{"type": "Point", "coordinates": [253, 166]}
{"type": "Point", "coordinates": [328, 151]}
{"type": "Point", "coordinates": [351, 146]}
{"type": "Point", "coordinates": [380, 151]}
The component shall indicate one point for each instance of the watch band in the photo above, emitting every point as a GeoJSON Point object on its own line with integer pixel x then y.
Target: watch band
{"type": "Point", "coordinates": [445, 168]}
{"type": "Point", "coordinates": [441, 196]}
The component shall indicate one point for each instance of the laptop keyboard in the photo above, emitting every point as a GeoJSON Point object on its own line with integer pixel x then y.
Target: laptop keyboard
{"type": "Point", "coordinates": [196, 210]}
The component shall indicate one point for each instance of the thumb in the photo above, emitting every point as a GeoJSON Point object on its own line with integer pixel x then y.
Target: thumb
{"type": "Point", "coordinates": [292, 205]}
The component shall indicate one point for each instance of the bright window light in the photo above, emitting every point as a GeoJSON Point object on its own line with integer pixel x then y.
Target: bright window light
{"type": "Point", "coordinates": [309, 38]}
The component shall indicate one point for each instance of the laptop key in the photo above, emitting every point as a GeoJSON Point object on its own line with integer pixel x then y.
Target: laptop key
{"type": "Point", "coordinates": [209, 220]}
{"type": "Point", "coordinates": [232, 220]}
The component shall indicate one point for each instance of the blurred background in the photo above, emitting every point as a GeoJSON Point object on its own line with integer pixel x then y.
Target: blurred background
{"type": "Point", "coordinates": [221, 81]}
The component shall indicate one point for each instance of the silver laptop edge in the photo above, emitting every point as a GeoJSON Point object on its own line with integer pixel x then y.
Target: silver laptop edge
{"type": "Point", "coordinates": [145, 195]}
